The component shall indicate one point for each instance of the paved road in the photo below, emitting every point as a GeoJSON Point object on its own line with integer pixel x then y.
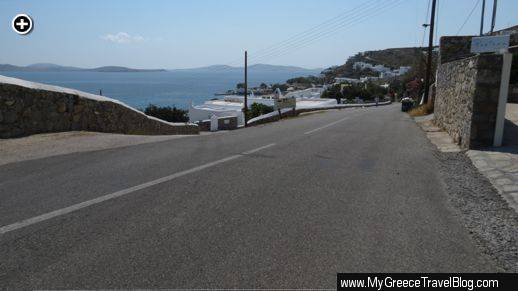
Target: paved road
{"type": "Point", "coordinates": [284, 205]}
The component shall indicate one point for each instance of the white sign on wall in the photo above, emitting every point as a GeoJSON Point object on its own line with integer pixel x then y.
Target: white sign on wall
{"type": "Point", "coordinates": [489, 44]}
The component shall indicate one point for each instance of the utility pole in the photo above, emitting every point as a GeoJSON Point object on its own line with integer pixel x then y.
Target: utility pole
{"type": "Point", "coordinates": [482, 17]}
{"type": "Point", "coordinates": [245, 108]}
{"type": "Point", "coordinates": [430, 52]}
{"type": "Point", "coordinates": [493, 19]}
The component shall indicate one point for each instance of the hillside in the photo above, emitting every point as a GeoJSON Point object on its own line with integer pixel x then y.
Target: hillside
{"type": "Point", "coordinates": [122, 69]}
{"type": "Point", "coordinates": [392, 58]}
{"type": "Point", "coordinates": [47, 67]}
{"type": "Point", "coordinates": [263, 68]}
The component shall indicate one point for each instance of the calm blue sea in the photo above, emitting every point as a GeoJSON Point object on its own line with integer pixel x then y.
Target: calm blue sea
{"type": "Point", "coordinates": [176, 88]}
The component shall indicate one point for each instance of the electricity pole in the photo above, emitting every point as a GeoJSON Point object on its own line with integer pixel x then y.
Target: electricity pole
{"type": "Point", "coordinates": [493, 19]}
{"type": "Point", "coordinates": [430, 52]}
{"type": "Point", "coordinates": [482, 17]}
{"type": "Point", "coordinates": [245, 108]}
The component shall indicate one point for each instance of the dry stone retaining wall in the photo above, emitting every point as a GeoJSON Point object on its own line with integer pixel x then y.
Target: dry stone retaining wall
{"type": "Point", "coordinates": [467, 99]}
{"type": "Point", "coordinates": [454, 48]}
{"type": "Point", "coordinates": [26, 110]}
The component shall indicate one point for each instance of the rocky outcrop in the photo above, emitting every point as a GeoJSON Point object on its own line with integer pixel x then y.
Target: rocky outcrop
{"type": "Point", "coordinates": [29, 108]}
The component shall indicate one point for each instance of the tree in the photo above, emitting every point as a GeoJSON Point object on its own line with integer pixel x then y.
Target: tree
{"type": "Point", "coordinates": [307, 81]}
{"type": "Point", "coordinates": [283, 87]}
{"type": "Point", "coordinates": [333, 92]}
{"type": "Point", "coordinates": [258, 109]}
{"type": "Point", "coordinates": [167, 113]}
{"type": "Point", "coordinates": [414, 88]}
{"type": "Point", "coordinates": [366, 91]}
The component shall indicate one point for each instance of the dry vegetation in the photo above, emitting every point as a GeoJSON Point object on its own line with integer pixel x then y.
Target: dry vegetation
{"type": "Point", "coordinates": [421, 110]}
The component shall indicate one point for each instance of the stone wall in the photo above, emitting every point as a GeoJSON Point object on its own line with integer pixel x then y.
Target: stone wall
{"type": "Point", "coordinates": [224, 123]}
{"type": "Point", "coordinates": [29, 108]}
{"type": "Point", "coordinates": [454, 48]}
{"type": "Point", "coordinates": [227, 123]}
{"type": "Point", "coordinates": [467, 99]}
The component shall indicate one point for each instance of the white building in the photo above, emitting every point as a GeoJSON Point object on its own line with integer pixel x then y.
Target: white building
{"type": "Point", "coordinates": [403, 70]}
{"type": "Point", "coordinates": [346, 80]}
{"type": "Point", "coordinates": [232, 105]}
{"type": "Point", "coordinates": [367, 79]}
{"type": "Point", "coordinates": [312, 93]}
{"type": "Point", "coordinates": [218, 108]}
{"type": "Point", "coordinates": [385, 72]}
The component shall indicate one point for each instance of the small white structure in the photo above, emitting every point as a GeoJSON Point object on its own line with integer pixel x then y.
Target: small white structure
{"type": "Point", "coordinates": [385, 72]}
{"type": "Point", "coordinates": [213, 123]}
{"type": "Point", "coordinates": [232, 105]}
{"type": "Point", "coordinates": [314, 92]}
{"type": "Point", "coordinates": [250, 100]}
{"type": "Point", "coordinates": [218, 108]}
{"type": "Point", "coordinates": [277, 94]}
{"type": "Point", "coordinates": [403, 70]}
{"type": "Point", "coordinates": [346, 80]}
{"type": "Point", "coordinates": [367, 79]}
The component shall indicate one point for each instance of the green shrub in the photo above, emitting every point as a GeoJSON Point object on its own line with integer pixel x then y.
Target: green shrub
{"type": "Point", "coordinates": [366, 91]}
{"type": "Point", "coordinates": [258, 109]}
{"type": "Point", "coordinates": [167, 113]}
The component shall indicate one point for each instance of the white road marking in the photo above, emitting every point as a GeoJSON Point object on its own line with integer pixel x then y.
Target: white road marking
{"type": "Point", "coordinates": [327, 125]}
{"type": "Point", "coordinates": [78, 206]}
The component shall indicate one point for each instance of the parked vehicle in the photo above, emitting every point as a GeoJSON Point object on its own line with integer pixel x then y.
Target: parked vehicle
{"type": "Point", "coordinates": [406, 104]}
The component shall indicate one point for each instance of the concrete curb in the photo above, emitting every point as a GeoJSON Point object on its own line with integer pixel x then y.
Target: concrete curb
{"type": "Point", "coordinates": [292, 113]}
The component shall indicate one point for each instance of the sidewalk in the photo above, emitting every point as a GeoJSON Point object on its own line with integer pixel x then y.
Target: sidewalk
{"type": "Point", "coordinates": [498, 164]}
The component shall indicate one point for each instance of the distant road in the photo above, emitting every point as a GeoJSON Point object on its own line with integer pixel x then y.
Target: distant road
{"type": "Point", "coordinates": [284, 205]}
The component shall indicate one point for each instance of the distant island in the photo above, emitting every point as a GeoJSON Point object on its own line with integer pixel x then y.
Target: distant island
{"type": "Point", "coordinates": [47, 67]}
{"type": "Point", "coordinates": [254, 68]}
{"type": "Point", "coordinates": [262, 68]}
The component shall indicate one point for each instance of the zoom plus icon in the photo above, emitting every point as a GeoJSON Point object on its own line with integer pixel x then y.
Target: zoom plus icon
{"type": "Point", "coordinates": [22, 24]}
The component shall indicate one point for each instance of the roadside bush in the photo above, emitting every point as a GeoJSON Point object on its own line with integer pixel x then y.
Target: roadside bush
{"type": "Point", "coordinates": [366, 91]}
{"type": "Point", "coordinates": [332, 92]}
{"type": "Point", "coordinates": [258, 109]}
{"type": "Point", "coordinates": [283, 87]}
{"type": "Point", "coordinates": [167, 113]}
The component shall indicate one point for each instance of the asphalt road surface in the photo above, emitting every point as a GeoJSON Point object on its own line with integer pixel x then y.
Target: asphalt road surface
{"type": "Point", "coordinates": [283, 205]}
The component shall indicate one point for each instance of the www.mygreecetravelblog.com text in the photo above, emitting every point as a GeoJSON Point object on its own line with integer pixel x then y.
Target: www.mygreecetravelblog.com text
{"type": "Point", "coordinates": [425, 281]}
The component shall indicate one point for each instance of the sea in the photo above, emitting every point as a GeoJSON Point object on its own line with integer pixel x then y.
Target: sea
{"type": "Point", "coordinates": [165, 88]}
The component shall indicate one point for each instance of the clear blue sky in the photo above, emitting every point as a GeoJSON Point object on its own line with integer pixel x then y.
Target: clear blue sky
{"type": "Point", "coordinates": [180, 34]}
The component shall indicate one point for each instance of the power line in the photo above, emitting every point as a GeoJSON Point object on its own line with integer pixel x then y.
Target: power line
{"type": "Point", "coordinates": [429, 55]}
{"type": "Point", "coordinates": [437, 20]}
{"type": "Point", "coordinates": [493, 17]}
{"type": "Point", "coordinates": [357, 11]}
{"type": "Point", "coordinates": [482, 17]}
{"type": "Point", "coordinates": [315, 29]}
{"type": "Point", "coordinates": [305, 43]}
{"type": "Point", "coordinates": [324, 29]}
{"type": "Point", "coordinates": [312, 30]}
{"type": "Point", "coordinates": [425, 25]}
{"type": "Point", "coordinates": [469, 16]}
